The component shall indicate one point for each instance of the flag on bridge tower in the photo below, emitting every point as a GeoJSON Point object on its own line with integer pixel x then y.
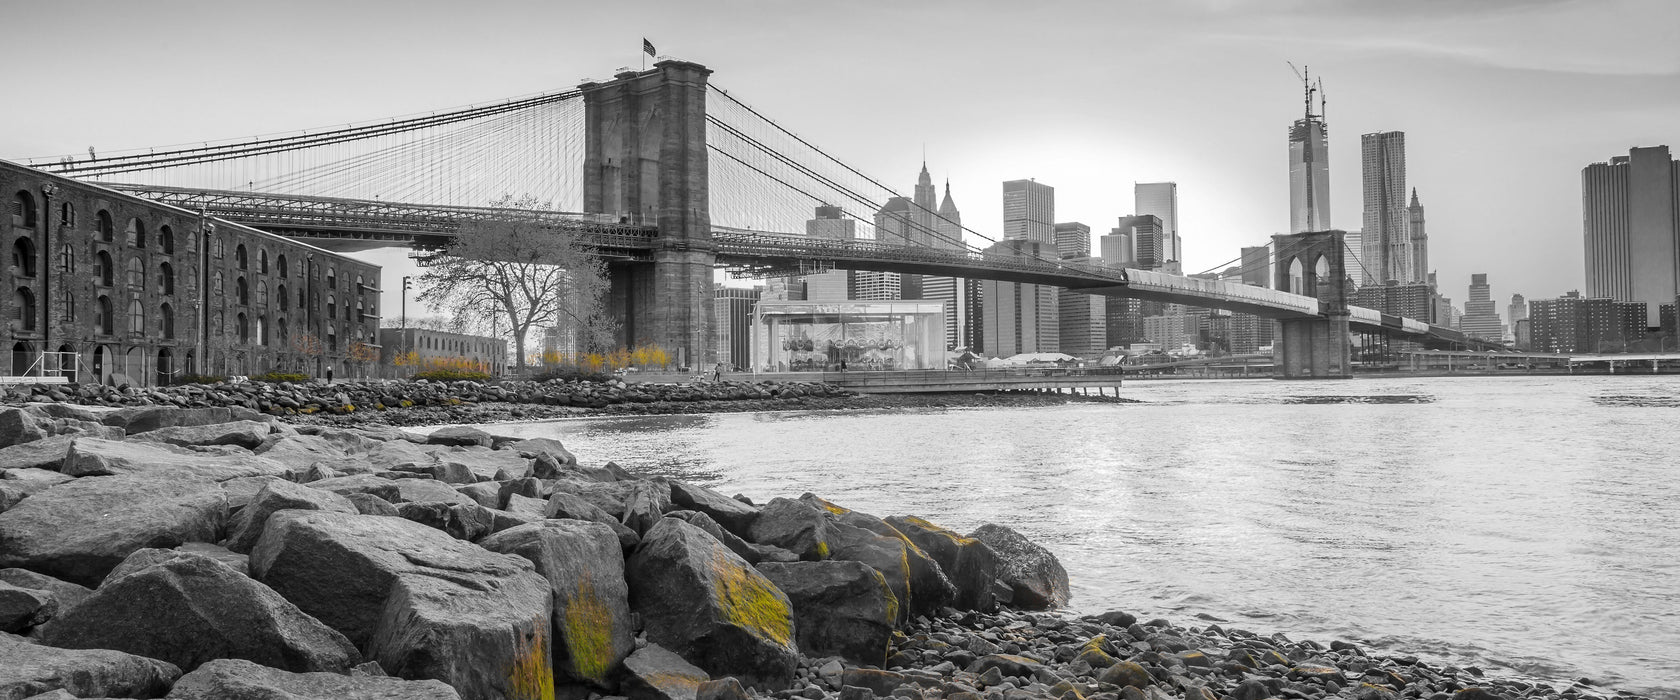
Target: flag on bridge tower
{"type": "Point", "coordinates": [647, 47]}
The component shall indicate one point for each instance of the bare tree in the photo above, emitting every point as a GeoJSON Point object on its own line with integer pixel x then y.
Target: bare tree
{"type": "Point", "coordinates": [513, 266]}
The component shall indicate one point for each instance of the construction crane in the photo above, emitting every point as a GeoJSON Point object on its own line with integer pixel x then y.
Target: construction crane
{"type": "Point", "coordinates": [1304, 74]}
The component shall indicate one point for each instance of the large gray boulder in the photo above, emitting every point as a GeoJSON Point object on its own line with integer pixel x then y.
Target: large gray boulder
{"type": "Point", "coordinates": [385, 489]}
{"type": "Point", "coordinates": [18, 484]}
{"type": "Point", "coordinates": [1035, 576]}
{"type": "Point", "coordinates": [929, 588]}
{"type": "Point", "coordinates": [236, 679]}
{"type": "Point", "coordinates": [248, 434]}
{"type": "Point", "coordinates": [27, 668]}
{"type": "Point", "coordinates": [46, 453]}
{"type": "Point", "coordinates": [573, 507]}
{"type": "Point", "coordinates": [840, 608]}
{"type": "Point", "coordinates": [426, 491]}
{"type": "Point", "coordinates": [141, 419]}
{"type": "Point", "coordinates": [18, 426]}
{"type": "Point", "coordinates": [79, 531]}
{"type": "Point", "coordinates": [23, 608]}
{"type": "Point", "coordinates": [733, 515]}
{"type": "Point", "coordinates": [274, 496]}
{"type": "Point", "coordinates": [69, 595]}
{"type": "Point", "coordinates": [463, 521]}
{"type": "Point", "coordinates": [584, 565]}
{"type": "Point", "coordinates": [557, 453]}
{"type": "Point", "coordinates": [654, 673]}
{"type": "Point", "coordinates": [459, 435]}
{"type": "Point", "coordinates": [421, 603]}
{"type": "Point", "coordinates": [970, 564]}
{"type": "Point", "coordinates": [96, 457]}
{"type": "Point", "coordinates": [188, 609]}
{"type": "Point", "coordinates": [709, 606]}
{"type": "Point", "coordinates": [483, 463]}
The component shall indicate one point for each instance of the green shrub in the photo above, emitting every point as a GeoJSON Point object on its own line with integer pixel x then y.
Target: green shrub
{"type": "Point", "coordinates": [199, 379]}
{"type": "Point", "coordinates": [278, 377]}
{"type": "Point", "coordinates": [451, 375]}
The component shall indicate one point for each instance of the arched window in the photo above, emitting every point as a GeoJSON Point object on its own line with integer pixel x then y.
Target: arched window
{"type": "Point", "coordinates": [23, 209]}
{"type": "Point", "coordinates": [103, 269]}
{"type": "Point", "coordinates": [166, 319]}
{"type": "Point", "coordinates": [136, 233]}
{"type": "Point", "coordinates": [216, 283]}
{"type": "Point", "coordinates": [69, 307]}
{"type": "Point", "coordinates": [262, 293]}
{"type": "Point", "coordinates": [107, 229]}
{"type": "Point", "coordinates": [359, 285]}
{"type": "Point", "coordinates": [23, 257]}
{"type": "Point", "coordinates": [332, 339]}
{"type": "Point", "coordinates": [136, 272]}
{"type": "Point", "coordinates": [107, 320]}
{"type": "Point", "coordinates": [262, 260]}
{"type": "Point", "coordinates": [244, 328]}
{"type": "Point", "coordinates": [281, 263]}
{"type": "Point", "coordinates": [360, 313]}
{"type": "Point", "coordinates": [280, 294]}
{"type": "Point", "coordinates": [262, 330]}
{"type": "Point", "coordinates": [239, 257]}
{"type": "Point", "coordinates": [332, 278]}
{"type": "Point", "coordinates": [166, 279]}
{"type": "Point", "coordinates": [67, 215]}
{"type": "Point", "coordinates": [242, 292]}
{"type": "Point", "coordinates": [332, 306]}
{"type": "Point", "coordinates": [24, 309]}
{"type": "Point", "coordinates": [166, 240]}
{"type": "Point", "coordinates": [280, 331]}
{"type": "Point", "coordinates": [66, 259]}
{"type": "Point", "coordinates": [136, 317]}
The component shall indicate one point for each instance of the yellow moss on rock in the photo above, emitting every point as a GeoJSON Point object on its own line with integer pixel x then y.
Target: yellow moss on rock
{"type": "Point", "coordinates": [751, 602]}
{"type": "Point", "coordinates": [589, 634]}
{"type": "Point", "coordinates": [532, 675]}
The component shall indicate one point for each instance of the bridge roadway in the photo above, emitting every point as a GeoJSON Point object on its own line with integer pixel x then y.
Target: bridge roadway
{"type": "Point", "coordinates": [357, 224]}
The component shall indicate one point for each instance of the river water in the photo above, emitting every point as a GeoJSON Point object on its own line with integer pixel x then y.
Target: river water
{"type": "Point", "coordinates": [1516, 523]}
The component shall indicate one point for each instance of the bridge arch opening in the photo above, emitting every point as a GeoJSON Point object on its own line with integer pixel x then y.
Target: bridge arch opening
{"type": "Point", "coordinates": [1297, 280]}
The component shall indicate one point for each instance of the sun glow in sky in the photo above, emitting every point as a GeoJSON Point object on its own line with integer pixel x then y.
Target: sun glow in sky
{"type": "Point", "coordinates": [1502, 102]}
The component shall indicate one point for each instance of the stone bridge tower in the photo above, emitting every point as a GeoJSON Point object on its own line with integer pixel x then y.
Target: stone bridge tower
{"type": "Point", "coordinates": [1313, 264]}
{"type": "Point", "coordinates": [645, 163]}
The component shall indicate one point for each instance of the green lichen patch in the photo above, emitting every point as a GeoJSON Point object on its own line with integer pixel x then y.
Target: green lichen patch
{"type": "Point", "coordinates": [588, 626]}
{"type": "Point", "coordinates": [751, 602]}
{"type": "Point", "coordinates": [531, 676]}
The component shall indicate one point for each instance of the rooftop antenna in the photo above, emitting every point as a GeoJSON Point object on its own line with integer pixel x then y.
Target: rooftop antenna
{"type": "Point", "coordinates": [1304, 73]}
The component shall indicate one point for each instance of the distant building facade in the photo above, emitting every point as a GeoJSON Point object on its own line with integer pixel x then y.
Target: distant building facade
{"type": "Point", "coordinates": [432, 345]}
{"type": "Point", "coordinates": [1576, 324]}
{"type": "Point", "coordinates": [137, 292]}
{"type": "Point", "coordinates": [1019, 317]}
{"type": "Point", "coordinates": [1631, 226]}
{"type": "Point", "coordinates": [733, 307]}
{"type": "Point", "coordinates": [1160, 200]}
{"type": "Point", "coordinates": [1481, 317]}
{"type": "Point", "coordinates": [1386, 235]}
{"type": "Point", "coordinates": [1029, 212]}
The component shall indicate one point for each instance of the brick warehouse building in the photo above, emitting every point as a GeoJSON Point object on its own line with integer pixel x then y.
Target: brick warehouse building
{"type": "Point", "coordinates": [143, 292]}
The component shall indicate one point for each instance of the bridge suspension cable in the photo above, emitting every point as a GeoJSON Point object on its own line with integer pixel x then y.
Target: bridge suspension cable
{"type": "Point", "coordinates": [757, 151]}
{"type": "Point", "coordinates": [472, 156]}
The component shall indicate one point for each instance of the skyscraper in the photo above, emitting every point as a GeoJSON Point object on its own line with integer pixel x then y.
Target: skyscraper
{"type": "Point", "coordinates": [1629, 221]}
{"type": "Point", "coordinates": [1161, 200]}
{"type": "Point", "coordinates": [1517, 311]}
{"type": "Point", "coordinates": [1387, 236]}
{"type": "Point", "coordinates": [1481, 316]}
{"type": "Point", "coordinates": [1029, 212]}
{"type": "Point", "coordinates": [1309, 169]}
{"type": "Point", "coordinates": [1073, 240]}
{"type": "Point", "coordinates": [1138, 241]}
{"type": "Point", "coordinates": [834, 285]}
{"type": "Point", "coordinates": [960, 309]}
{"type": "Point", "coordinates": [1420, 239]}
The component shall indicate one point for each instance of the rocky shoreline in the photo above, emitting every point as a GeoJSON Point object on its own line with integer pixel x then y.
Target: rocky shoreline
{"type": "Point", "coordinates": [161, 551]}
{"type": "Point", "coordinates": [423, 403]}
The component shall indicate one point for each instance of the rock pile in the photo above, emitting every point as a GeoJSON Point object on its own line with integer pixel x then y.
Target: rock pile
{"type": "Point", "coordinates": [217, 552]}
{"type": "Point", "coordinates": [287, 398]}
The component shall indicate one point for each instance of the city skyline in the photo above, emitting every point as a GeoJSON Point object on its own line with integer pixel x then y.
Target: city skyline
{"type": "Point", "coordinates": [1494, 119]}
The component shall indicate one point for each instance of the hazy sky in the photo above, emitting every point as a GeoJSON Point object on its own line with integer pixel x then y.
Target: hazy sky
{"type": "Point", "coordinates": [1502, 102]}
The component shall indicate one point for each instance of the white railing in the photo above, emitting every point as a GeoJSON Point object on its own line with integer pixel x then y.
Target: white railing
{"type": "Point", "coordinates": [1364, 315]}
{"type": "Point", "coordinates": [1227, 290]}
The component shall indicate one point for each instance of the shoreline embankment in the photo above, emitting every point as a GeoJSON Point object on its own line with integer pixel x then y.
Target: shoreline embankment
{"type": "Point", "coordinates": [368, 561]}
